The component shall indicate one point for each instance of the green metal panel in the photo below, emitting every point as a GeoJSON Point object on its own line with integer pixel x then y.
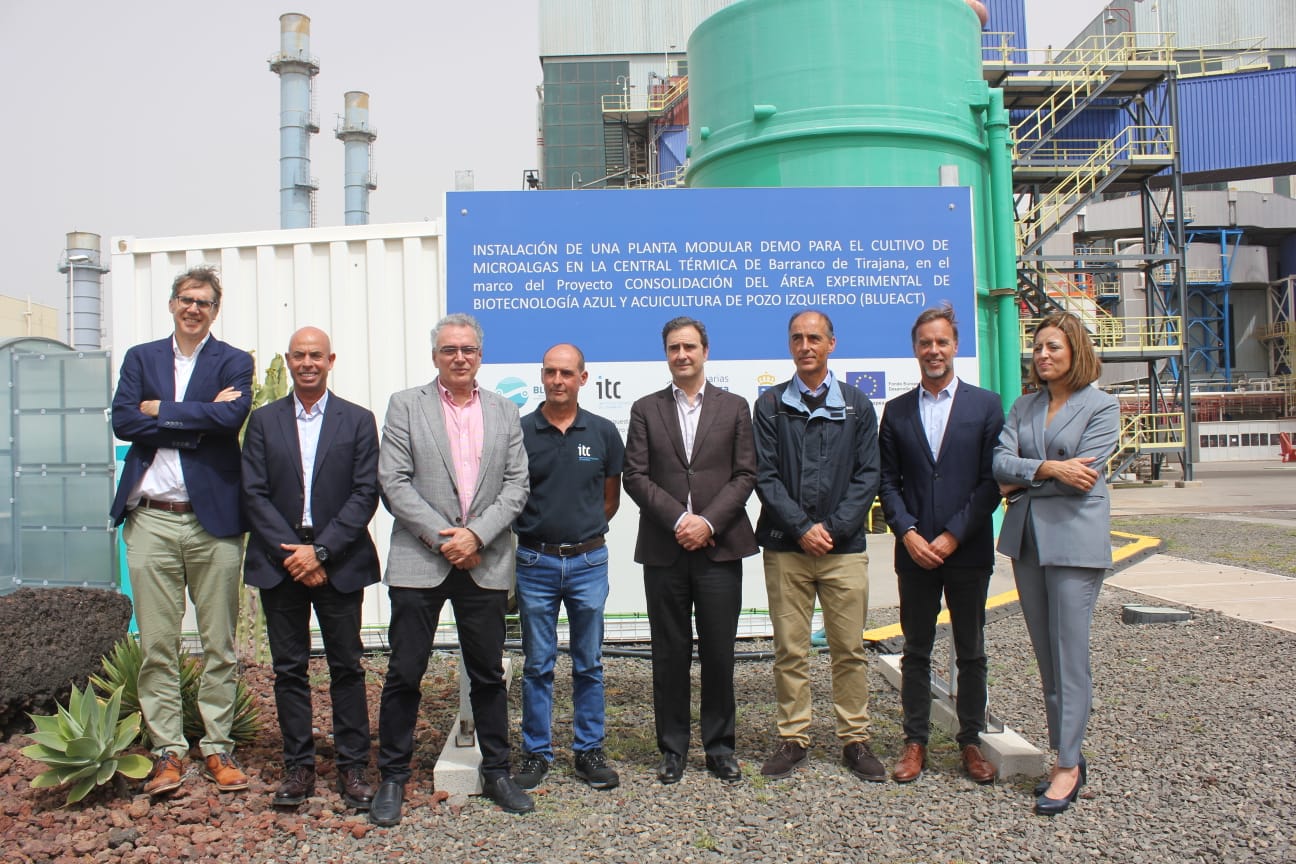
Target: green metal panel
{"type": "Point", "coordinates": [792, 93]}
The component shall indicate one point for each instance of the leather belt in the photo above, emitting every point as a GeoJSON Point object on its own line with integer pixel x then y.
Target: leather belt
{"type": "Point", "coordinates": [562, 550]}
{"type": "Point", "coordinates": [168, 506]}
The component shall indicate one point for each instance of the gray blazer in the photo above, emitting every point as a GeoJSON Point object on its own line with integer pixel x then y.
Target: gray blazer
{"type": "Point", "coordinates": [417, 475]}
{"type": "Point", "coordinates": [1072, 528]}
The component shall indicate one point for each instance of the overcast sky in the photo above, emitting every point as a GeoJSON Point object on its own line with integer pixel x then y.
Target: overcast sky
{"type": "Point", "coordinates": [156, 118]}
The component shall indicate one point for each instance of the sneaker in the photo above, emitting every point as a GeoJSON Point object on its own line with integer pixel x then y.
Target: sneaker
{"type": "Point", "coordinates": [862, 763]}
{"type": "Point", "coordinates": [532, 772]}
{"type": "Point", "coordinates": [221, 769]}
{"type": "Point", "coordinates": [787, 758]}
{"type": "Point", "coordinates": [166, 776]}
{"type": "Point", "coordinates": [592, 767]}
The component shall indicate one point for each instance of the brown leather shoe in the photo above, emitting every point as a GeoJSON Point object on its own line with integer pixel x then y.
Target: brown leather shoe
{"type": "Point", "coordinates": [221, 769]}
{"type": "Point", "coordinates": [912, 762]}
{"type": "Point", "coordinates": [862, 763]}
{"type": "Point", "coordinates": [978, 768]}
{"type": "Point", "coordinates": [166, 776]}
{"type": "Point", "coordinates": [787, 758]}
{"type": "Point", "coordinates": [352, 787]}
{"type": "Point", "coordinates": [298, 785]}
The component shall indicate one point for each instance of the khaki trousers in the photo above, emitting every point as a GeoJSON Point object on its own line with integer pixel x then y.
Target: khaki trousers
{"type": "Point", "coordinates": [167, 553]}
{"type": "Point", "coordinates": [792, 580]}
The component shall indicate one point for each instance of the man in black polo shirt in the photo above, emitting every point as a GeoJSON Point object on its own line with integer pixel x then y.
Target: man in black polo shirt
{"type": "Point", "coordinates": [575, 463]}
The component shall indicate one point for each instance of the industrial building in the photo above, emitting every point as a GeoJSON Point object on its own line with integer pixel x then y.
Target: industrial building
{"type": "Point", "coordinates": [1153, 159]}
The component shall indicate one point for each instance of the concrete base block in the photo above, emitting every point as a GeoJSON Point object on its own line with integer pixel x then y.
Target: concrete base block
{"type": "Point", "coordinates": [458, 768]}
{"type": "Point", "coordinates": [1010, 753]}
{"type": "Point", "coordinates": [1138, 613]}
{"type": "Point", "coordinates": [1187, 484]}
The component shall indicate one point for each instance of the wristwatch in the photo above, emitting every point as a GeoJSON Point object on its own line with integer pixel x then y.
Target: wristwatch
{"type": "Point", "coordinates": [322, 553]}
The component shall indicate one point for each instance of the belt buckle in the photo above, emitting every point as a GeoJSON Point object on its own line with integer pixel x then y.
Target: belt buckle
{"type": "Point", "coordinates": [565, 549]}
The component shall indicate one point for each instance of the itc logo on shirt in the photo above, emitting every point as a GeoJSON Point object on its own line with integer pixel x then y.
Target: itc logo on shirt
{"type": "Point", "coordinates": [583, 453]}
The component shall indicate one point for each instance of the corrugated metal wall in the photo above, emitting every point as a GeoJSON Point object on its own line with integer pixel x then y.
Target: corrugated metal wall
{"type": "Point", "coordinates": [1231, 122]}
{"type": "Point", "coordinates": [376, 289]}
{"type": "Point", "coordinates": [1239, 124]}
{"type": "Point", "coordinates": [1215, 22]}
{"type": "Point", "coordinates": [580, 27]}
{"type": "Point", "coordinates": [1007, 16]}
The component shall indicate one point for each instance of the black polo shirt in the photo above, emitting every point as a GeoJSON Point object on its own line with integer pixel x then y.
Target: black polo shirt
{"type": "Point", "coordinates": [567, 475]}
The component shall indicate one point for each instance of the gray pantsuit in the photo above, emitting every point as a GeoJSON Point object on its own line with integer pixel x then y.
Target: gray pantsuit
{"type": "Point", "coordinates": [1059, 538]}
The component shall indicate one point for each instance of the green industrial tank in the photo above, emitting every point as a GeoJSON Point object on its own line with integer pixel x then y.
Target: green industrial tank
{"type": "Point", "coordinates": [796, 93]}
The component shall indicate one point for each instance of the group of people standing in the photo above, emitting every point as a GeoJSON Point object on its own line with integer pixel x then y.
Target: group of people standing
{"type": "Point", "coordinates": [484, 499]}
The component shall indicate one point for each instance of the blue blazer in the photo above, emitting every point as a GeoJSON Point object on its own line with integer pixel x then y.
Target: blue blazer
{"type": "Point", "coordinates": [205, 432]}
{"type": "Point", "coordinates": [1072, 528]}
{"type": "Point", "coordinates": [344, 492]}
{"type": "Point", "coordinates": [954, 492]}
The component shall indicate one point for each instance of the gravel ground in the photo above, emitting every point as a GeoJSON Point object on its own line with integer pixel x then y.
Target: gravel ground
{"type": "Point", "coordinates": [1191, 749]}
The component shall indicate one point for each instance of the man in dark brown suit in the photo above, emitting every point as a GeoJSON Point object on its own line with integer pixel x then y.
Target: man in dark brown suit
{"type": "Point", "coordinates": [690, 465]}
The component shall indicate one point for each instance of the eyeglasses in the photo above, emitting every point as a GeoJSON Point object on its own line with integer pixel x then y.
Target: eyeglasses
{"type": "Point", "coordinates": [449, 351]}
{"type": "Point", "coordinates": [203, 305]}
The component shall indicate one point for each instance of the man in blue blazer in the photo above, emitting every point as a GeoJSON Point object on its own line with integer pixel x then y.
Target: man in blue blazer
{"type": "Point", "coordinates": [939, 494]}
{"type": "Point", "coordinates": [181, 401]}
{"type": "Point", "coordinates": [310, 488]}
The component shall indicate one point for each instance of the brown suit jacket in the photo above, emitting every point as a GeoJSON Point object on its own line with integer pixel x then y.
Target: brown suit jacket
{"type": "Point", "coordinates": [721, 475]}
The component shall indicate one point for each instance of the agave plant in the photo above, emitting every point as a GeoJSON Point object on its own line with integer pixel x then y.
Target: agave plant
{"type": "Point", "coordinates": [121, 668]}
{"type": "Point", "coordinates": [82, 744]}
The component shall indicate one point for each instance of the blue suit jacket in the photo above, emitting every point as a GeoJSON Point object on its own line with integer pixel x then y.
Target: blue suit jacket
{"type": "Point", "coordinates": [344, 492]}
{"type": "Point", "coordinates": [955, 492]}
{"type": "Point", "coordinates": [205, 432]}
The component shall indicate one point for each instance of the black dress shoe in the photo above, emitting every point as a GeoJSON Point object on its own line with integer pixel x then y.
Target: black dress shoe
{"type": "Point", "coordinates": [1042, 786]}
{"type": "Point", "coordinates": [508, 795]}
{"type": "Point", "coordinates": [385, 810]}
{"type": "Point", "coordinates": [1046, 806]}
{"type": "Point", "coordinates": [298, 785]}
{"type": "Point", "coordinates": [724, 767]}
{"type": "Point", "coordinates": [670, 769]}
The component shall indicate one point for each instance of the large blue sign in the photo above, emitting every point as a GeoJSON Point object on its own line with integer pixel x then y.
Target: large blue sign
{"type": "Point", "coordinates": [607, 269]}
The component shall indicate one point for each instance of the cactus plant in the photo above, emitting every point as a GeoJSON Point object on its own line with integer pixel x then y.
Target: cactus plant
{"type": "Point", "coordinates": [121, 672]}
{"type": "Point", "coordinates": [82, 744]}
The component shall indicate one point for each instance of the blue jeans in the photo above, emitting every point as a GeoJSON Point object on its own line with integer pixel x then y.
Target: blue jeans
{"type": "Point", "coordinates": [581, 584]}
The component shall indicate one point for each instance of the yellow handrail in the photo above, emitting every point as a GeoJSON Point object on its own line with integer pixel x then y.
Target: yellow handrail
{"type": "Point", "coordinates": [1130, 333]}
{"type": "Point", "coordinates": [1142, 432]}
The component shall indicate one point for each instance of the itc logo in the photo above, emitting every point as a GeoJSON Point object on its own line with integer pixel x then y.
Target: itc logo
{"type": "Point", "coordinates": [608, 388]}
{"type": "Point", "coordinates": [582, 449]}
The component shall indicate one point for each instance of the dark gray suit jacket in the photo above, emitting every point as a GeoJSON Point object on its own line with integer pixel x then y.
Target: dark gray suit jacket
{"type": "Point", "coordinates": [1072, 528]}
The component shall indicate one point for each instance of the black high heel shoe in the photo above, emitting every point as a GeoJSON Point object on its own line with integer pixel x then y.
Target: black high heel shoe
{"type": "Point", "coordinates": [1046, 806]}
{"type": "Point", "coordinates": [1042, 786]}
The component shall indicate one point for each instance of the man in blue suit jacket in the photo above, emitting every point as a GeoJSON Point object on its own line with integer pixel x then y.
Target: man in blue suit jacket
{"type": "Point", "coordinates": [310, 488]}
{"type": "Point", "coordinates": [181, 401]}
{"type": "Point", "coordinates": [939, 493]}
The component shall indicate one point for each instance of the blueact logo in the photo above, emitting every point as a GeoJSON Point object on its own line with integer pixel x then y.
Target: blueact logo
{"type": "Point", "coordinates": [871, 384]}
{"type": "Point", "coordinates": [514, 389]}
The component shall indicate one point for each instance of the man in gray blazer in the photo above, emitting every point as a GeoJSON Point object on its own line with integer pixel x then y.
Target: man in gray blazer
{"type": "Point", "coordinates": [453, 473]}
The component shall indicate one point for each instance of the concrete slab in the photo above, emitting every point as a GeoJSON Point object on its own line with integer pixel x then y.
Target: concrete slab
{"type": "Point", "coordinates": [1250, 595]}
{"type": "Point", "coordinates": [1010, 753]}
{"type": "Point", "coordinates": [458, 767]}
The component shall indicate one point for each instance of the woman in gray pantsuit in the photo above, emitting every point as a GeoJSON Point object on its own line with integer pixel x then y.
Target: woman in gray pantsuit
{"type": "Point", "coordinates": [1050, 464]}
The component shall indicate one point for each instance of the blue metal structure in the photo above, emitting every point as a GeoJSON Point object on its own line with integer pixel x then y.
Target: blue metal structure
{"type": "Point", "coordinates": [297, 121]}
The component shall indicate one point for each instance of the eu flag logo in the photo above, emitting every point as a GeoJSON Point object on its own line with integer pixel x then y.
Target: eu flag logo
{"type": "Point", "coordinates": [871, 384]}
